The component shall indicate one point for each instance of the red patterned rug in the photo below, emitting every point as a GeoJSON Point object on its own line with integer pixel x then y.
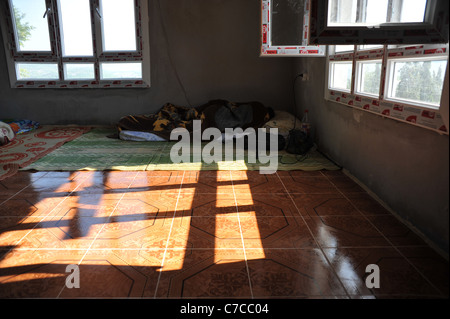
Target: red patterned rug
{"type": "Point", "coordinates": [29, 147]}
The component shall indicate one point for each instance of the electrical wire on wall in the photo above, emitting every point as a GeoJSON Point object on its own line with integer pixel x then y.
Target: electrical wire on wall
{"type": "Point", "coordinates": [295, 99]}
{"type": "Point", "coordinates": [166, 38]}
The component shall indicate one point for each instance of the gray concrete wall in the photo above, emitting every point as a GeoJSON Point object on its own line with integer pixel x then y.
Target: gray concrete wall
{"type": "Point", "coordinates": [215, 47]}
{"type": "Point", "coordinates": [406, 166]}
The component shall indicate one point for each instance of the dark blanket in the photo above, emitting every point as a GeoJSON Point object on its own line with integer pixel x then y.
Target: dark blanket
{"type": "Point", "coordinates": [220, 114]}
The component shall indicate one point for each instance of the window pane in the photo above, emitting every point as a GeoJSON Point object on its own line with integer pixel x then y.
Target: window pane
{"type": "Point", "coordinates": [374, 12]}
{"type": "Point", "coordinates": [413, 11]}
{"type": "Point", "coordinates": [341, 75]}
{"type": "Point", "coordinates": [76, 30]}
{"type": "Point", "coordinates": [118, 70]}
{"type": "Point", "coordinates": [37, 71]}
{"type": "Point", "coordinates": [287, 20]}
{"type": "Point", "coordinates": [31, 29]}
{"type": "Point", "coordinates": [79, 71]}
{"type": "Point", "coordinates": [343, 48]}
{"type": "Point", "coordinates": [417, 81]}
{"type": "Point", "coordinates": [369, 47]}
{"type": "Point", "coordinates": [118, 25]}
{"type": "Point", "coordinates": [369, 77]}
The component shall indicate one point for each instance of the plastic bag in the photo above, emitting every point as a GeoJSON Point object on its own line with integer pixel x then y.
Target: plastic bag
{"type": "Point", "coordinates": [299, 142]}
{"type": "Point", "coordinates": [6, 133]}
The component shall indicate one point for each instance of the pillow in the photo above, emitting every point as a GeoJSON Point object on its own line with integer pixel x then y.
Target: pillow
{"type": "Point", "coordinates": [284, 121]}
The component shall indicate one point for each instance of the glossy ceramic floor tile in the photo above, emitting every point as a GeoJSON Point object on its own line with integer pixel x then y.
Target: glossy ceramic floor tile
{"type": "Point", "coordinates": [291, 273]}
{"type": "Point", "coordinates": [240, 234]}
{"type": "Point", "coordinates": [345, 231]}
{"type": "Point", "coordinates": [398, 277]}
{"type": "Point", "coordinates": [221, 272]}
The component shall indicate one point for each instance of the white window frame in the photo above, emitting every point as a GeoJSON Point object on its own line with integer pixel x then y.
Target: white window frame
{"type": "Point", "coordinates": [358, 77]}
{"type": "Point", "coordinates": [141, 54]}
{"type": "Point", "coordinates": [416, 113]}
{"type": "Point", "coordinates": [389, 77]}
{"type": "Point", "coordinates": [331, 72]}
{"type": "Point", "coordinates": [303, 49]}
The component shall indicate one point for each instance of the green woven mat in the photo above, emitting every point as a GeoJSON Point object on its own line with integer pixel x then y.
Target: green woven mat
{"type": "Point", "coordinates": [95, 151]}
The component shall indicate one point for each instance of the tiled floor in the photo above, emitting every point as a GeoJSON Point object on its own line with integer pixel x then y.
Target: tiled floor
{"type": "Point", "coordinates": [226, 234]}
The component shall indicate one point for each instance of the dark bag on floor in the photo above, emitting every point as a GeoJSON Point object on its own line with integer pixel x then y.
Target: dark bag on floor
{"type": "Point", "coordinates": [299, 142]}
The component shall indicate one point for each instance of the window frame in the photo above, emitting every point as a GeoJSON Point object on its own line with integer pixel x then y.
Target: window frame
{"type": "Point", "coordinates": [141, 54]}
{"type": "Point", "coordinates": [416, 113]}
{"type": "Point", "coordinates": [389, 76]}
{"type": "Point", "coordinates": [331, 72]}
{"type": "Point", "coordinates": [269, 50]}
{"type": "Point", "coordinates": [359, 77]}
{"type": "Point", "coordinates": [434, 29]}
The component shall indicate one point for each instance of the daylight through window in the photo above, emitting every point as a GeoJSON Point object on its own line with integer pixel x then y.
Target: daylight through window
{"type": "Point", "coordinates": [403, 82]}
{"type": "Point", "coordinates": [76, 43]}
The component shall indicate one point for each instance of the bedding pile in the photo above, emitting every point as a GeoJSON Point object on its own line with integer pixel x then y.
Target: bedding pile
{"type": "Point", "coordinates": [220, 114]}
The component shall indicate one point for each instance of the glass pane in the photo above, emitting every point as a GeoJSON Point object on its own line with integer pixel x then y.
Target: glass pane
{"type": "Point", "coordinates": [31, 29]}
{"type": "Point", "coordinates": [287, 20]}
{"type": "Point", "coordinates": [369, 46]}
{"type": "Point", "coordinates": [118, 25]}
{"type": "Point", "coordinates": [79, 71]}
{"type": "Point", "coordinates": [37, 71]}
{"type": "Point", "coordinates": [369, 77]}
{"type": "Point", "coordinates": [341, 75]}
{"type": "Point", "coordinates": [344, 48]}
{"type": "Point", "coordinates": [341, 11]}
{"type": "Point", "coordinates": [413, 11]}
{"type": "Point", "coordinates": [374, 12]}
{"type": "Point", "coordinates": [76, 30]}
{"type": "Point", "coordinates": [120, 70]}
{"type": "Point", "coordinates": [419, 81]}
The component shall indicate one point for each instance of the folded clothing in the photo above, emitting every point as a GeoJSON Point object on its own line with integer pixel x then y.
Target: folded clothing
{"type": "Point", "coordinates": [139, 136]}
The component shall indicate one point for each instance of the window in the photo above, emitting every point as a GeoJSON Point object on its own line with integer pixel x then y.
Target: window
{"type": "Point", "coordinates": [416, 80]}
{"type": "Point", "coordinates": [375, 12]}
{"type": "Point", "coordinates": [378, 21]}
{"type": "Point", "coordinates": [76, 43]}
{"type": "Point", "coordinates": [341, 76]}
{"type": "Point", "coordinates": [401, 82]}
{"type": "Point", "coordinates": [368, 77]}
{"type": "Point", "coordinates": [285, 29]}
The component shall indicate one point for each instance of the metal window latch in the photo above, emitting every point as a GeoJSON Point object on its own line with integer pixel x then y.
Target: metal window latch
{"type": "Point", "coordinates": [47, 12]}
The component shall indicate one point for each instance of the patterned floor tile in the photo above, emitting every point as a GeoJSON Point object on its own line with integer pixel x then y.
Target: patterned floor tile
{"type": "Point", "coordinates": [293, 273]}
{"type": "Point", "coordinates": [241, 234]}
{"type": "Point", "coordinates": [345, 231]}
{"type": "Point", "coordinates": [222, 274]}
